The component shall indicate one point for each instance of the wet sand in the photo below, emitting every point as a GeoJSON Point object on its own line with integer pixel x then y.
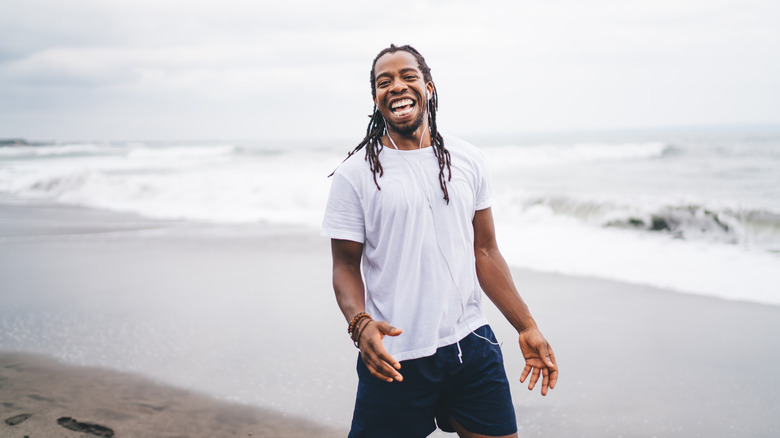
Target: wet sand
{"type": "Point", "coordinates": [37, 392]}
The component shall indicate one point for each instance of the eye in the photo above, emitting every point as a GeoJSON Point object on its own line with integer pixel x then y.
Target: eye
{"type": "Point", "coordinates": [382, 84]}
{"type": "Point", "coordinates": [410, 77]}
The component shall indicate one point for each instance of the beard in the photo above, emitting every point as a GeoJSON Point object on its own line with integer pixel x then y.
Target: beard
{"type": "Point", "coordinates": [407, 129]}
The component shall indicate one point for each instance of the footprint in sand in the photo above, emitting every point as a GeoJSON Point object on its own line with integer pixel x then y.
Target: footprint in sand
{"type": "Point", "coordinates": [91, 428]}
{"type": "Point", "coordinates": [13, 421]}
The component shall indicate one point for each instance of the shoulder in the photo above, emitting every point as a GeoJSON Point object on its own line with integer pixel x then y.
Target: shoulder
{"type": "Point", "coordinates": [354, 168]}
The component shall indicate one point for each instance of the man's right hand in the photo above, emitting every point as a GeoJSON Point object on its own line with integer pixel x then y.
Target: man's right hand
{"type": "Point", "coordinates": [377, 360]}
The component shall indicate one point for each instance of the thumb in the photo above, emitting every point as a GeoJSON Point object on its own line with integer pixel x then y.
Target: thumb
{"type": "Point", "coordinates": [387, 329]}
{"type": "Point", "coordinates": [545, 353]}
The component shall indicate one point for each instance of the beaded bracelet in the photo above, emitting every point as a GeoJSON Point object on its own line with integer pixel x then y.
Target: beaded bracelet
{"type": "Point", "coordinates": [356, 340]}
{"type": "Point", "coordinates": [355, 320]}
{"type": "Point", "coordinates": [358, 324]}
{"type": "Point", "coordinates": [354, 335]}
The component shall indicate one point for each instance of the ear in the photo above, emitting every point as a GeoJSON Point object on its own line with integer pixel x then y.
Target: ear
{"type": "Point", "coordinates": [429, 89]}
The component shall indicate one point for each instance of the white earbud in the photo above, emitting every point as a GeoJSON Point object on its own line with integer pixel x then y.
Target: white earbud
{"type": "Point", "coordinates": [427, 95]}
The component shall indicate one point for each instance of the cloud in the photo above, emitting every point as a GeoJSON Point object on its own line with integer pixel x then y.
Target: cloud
{"type": "Point", "coordinates": [500, 65]}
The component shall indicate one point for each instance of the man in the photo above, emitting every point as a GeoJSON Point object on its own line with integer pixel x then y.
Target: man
{"type": "Point", "coordinates": [417, 214]}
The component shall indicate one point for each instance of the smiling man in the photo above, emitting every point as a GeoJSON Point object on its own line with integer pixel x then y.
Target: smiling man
{"type": "Point", "coordinates": [418, 216]}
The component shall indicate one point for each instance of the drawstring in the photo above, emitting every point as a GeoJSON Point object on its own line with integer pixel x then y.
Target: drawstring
{"type": "Point", "coordinates": [460, 353]}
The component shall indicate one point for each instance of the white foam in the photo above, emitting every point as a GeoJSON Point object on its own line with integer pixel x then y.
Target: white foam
{"type": "Point", "coordinates": [180, 152]}
{"type": "Point", "coordinates": [547, 242]}
{"type": "Point", "coordinates": [547, 218]}
{"type": "Point", "coordinates": [196, 183]}
{"type": "Point", "coordinates": [514, 157]}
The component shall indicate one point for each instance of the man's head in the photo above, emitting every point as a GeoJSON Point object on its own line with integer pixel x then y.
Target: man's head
{"type": "Point", "coordinates": [406, 117]}
{"type": "Point", "coordinates": [402, 85]}
{"type": "Point", "coordinates": [422, 66]}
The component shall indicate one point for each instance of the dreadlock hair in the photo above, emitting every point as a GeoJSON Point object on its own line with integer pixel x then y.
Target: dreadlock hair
{"type": "Point", "coordinates": [376, 127]}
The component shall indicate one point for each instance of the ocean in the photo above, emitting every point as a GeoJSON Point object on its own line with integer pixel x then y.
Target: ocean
{"type": "Point", "coordinates": [695, 213]}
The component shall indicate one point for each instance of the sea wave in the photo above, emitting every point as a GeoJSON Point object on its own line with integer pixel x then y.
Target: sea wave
{"type": "Point", "coordinates": [181, 152]}
{"type": "Point", "coordinates": [662, 213]}
{"type": "Point", "coordinates": [511, 157]}
{"type": "Point", "coordinates": [755, 227]}
{"type": "Point", "coordinates": [207, 183]}
{"type": "Point", "coordinates": [51, 150]}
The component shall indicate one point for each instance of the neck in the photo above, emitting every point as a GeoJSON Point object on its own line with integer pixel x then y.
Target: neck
{"type": "Point", "coordinates": [420, 138]}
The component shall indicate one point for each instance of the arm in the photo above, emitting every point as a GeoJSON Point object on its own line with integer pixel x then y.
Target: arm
{"type": "Point", "coordinates": [349, 288]}
{"type": "Point", "coordinates": [496, 280]}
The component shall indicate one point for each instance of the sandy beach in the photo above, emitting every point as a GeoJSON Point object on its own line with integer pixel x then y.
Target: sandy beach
{"type": "Point", "coordinates": [166, 328]}
{"type": "Point", "coordinates": [43, 398]}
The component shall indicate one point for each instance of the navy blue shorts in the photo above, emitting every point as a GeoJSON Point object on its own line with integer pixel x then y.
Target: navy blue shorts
{"type": "Point", "coordinates": [436, 388]}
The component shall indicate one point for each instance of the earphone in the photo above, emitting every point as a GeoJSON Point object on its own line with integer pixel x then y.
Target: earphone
{"type": "Point", "coordinates": [432, 209]}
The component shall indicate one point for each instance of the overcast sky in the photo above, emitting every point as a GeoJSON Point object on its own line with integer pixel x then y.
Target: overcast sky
{"type": "Point", "coordinates": [163, 70]}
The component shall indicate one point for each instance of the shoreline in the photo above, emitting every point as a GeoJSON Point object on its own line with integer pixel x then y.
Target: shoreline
{"type": "Point", "coordinates": [246, 313]}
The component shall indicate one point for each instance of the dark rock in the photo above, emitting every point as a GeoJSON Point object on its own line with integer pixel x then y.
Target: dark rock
{"type": "Point", "coordinates": [13, 421]}
{"type": "Point", "coordinates": [79, 426]}
{"type": "Point", "coordinates": [724, 227]}
{"type": "Point", "coordinates": [660, 223]}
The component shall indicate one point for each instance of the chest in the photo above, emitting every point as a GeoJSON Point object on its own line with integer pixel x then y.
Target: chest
{"type": "Point", "coordinates": [411, 190]}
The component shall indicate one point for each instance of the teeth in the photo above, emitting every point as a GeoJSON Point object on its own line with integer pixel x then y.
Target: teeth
{"type": "Point", "coordinates": [403, 102]}
{"type": "Point", "coordinates": [403, 112]}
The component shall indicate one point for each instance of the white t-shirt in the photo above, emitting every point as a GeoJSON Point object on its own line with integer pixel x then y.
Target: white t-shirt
{"type": "Point", "coordinates": [418, 252]}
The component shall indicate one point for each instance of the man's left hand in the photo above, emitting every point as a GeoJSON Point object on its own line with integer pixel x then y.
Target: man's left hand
{"type": "Point", "coordinates": [539, 360]}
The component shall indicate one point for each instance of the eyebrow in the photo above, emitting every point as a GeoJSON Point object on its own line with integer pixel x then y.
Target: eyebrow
{"type": "Point", "coordinates": [402, 71]}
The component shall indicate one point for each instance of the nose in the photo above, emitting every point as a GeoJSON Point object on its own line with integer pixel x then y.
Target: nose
{"type": "Point", "coordinates": [398, 87]}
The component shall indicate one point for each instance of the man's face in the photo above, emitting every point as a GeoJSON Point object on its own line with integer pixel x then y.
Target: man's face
{"type": "Point", "coordinates": [400, 92]}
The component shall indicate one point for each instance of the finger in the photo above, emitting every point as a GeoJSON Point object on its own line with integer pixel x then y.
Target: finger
{"type": "Point", "coordinates": [386, 329]}
{"type": "Point", "coordinates": [390, 360]}
{"type": "Point", "coordinates": [377, 374]}
{"type": "Point", "coordinates": [388, 370]}
{"type": "Point", "coordinates": [546, 353]}
{"type": "Point", "coordinates": [378, 368]}
{"type": "Point", "coordinates": [550, 359]}
{"type": "Point", "coordinates": [383, 361]}
{"type": "Point", "coordinates": [526, 371]}
{"type": "Point", "coordinates": [369, 362]}
{"type": "Point", "coordinates": [553, 370]}
{"type": "Point", "coordinates": [553, 378]}
{"type": "Point", "coordinates": [379, 349]}
{"type": "Point", "coordinates": [545, 381]}
{"type": "Point", "coordinates": [534, 379]}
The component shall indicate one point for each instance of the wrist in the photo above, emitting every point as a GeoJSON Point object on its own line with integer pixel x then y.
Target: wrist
{"type": "Point", "coordinates": [357, 325]}
{"type": "Point", "coordinates": [525, 326]}
{"type": "Point", "coordinates": [360, 330]}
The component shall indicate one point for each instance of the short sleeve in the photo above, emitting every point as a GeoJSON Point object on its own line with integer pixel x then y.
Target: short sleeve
{"type": "Point", "coordinates": [484, 189]}
{"type": "Point", "coordinates": [344, 218]}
